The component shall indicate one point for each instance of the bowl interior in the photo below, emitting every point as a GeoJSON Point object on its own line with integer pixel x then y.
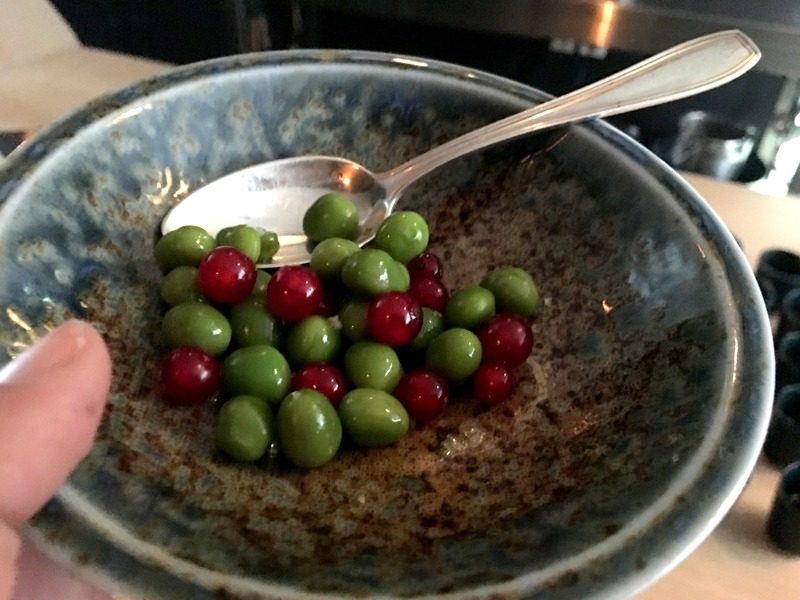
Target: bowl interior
{"type": "Point", "coordinates": [558, 489]}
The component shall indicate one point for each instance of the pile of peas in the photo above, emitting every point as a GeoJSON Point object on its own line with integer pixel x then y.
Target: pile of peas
{"type": "Point", "coordinates": [310, 353]}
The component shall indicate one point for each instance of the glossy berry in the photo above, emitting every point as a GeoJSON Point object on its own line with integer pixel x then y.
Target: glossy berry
{"type": "Point", "coordinates": [189, 376]}
{"type": "Point", "coordinates": [226, 275]}
{"type": "Point", "coordinates": [491, 384]}
{"type": "Point", "coordinates": [423, 393]}
{"type": "Point", "coordinates": [294, 293]}
{"type": "Point", "coordinates": [425, 266]}
{"type": "Point", "coordinates": [429, 292]}
{"type": "Point", "coordinates": [394, 319]}
{"type": "Point", "coordinates": [507, 340]}
{"type": "Point", "coordinates": [324, 378]}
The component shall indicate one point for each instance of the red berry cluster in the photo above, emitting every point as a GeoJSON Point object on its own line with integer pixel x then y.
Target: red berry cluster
{"type": "Point", "coordinates": [506, 342]}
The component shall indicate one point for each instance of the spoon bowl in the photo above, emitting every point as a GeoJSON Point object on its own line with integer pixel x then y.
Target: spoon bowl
{"type": "Point", "coordinates": [267, 195]}
{"type": "Point", "coordinates": [275, 195]}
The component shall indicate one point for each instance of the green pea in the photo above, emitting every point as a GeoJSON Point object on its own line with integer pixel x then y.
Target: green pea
{"type": "Point", "coordinates": [329, 255]}
{"type": "Point", "coordinates": [256, 371]}
{"type": "Point", "coordinates": [186, 245]}
{"type": "Point", "coordinates": [432, 326]}
{"type": "Point", "coordinates": [270, 244]}
{"type": "Point", "coordinates": [260, 287]}
{"type": "Point", "coordinates": [469, 307]}
{"type": "Point", "coordinates": [367, 272]}
{"type": "Point", "coordinates": [244, 428]}
{"type": "Point", "coordinates": [514, 290]}
{"type": "Point", "coordinates": [252, 324]}
{"type": "Point", "coordinates": [196, 324]}
{"type": "Point", "coordinates": [353, 317]}
{"type": "Point", "coordinates": [242, 237]}
{"type": "Point", "coordinates": [404, 235]}
{"type": "Point", "coordinates": [180, 285]}
{"type": "Point", "coordinates": [372, 417]}
{"type": "Point", "coordinates": [331, 215]}
{"type": "Point", "coordinates": [309, 430]}
{"type": "Point", "coordinates": [399, 279]}
{"type": "Point", "coordinates": [456, 354]}
{"type": "Point", "coordinates": [313, 340]}
{"type": "Point", "coordinates": [372, 365]}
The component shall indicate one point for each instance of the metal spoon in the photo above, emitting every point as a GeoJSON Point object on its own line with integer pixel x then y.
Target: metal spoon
{"type": "Point", "coordinates": [275, 195]}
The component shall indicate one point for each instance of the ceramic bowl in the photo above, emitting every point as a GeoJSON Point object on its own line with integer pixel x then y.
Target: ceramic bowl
{"type": "Point", "coordinates": [630, 431]}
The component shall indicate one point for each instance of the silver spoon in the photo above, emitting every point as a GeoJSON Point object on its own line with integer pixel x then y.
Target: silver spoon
{"type": "Point", "coordinates": [276, 194]}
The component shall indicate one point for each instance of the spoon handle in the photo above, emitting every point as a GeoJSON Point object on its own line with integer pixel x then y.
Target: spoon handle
{"type": "Point", "coordinates": [689, 68]}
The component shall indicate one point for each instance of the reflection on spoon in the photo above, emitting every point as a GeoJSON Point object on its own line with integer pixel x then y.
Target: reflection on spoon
{"type": "Point", "coordinates": [275, 195]}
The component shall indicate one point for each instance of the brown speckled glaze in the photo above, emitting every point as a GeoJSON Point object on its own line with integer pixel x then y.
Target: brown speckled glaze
{"type": "Point", "coordinates": [556, 492]}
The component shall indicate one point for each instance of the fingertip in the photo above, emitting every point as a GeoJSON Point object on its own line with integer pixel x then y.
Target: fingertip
{"type": "Point", "coordinates": [52, 402]}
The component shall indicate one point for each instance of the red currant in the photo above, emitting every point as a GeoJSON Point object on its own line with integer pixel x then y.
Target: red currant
{"type": "Point", "coordinates": [491, 384]}
{"type": "Point", "coordinates": [226, 275]}
{"type": "Point", "coordinates": [326, 379]}
{"type": "Point", "coordinates": [394, 318]}
{"type": "Point", "coordinates": [294, 293]}
{"type": "Point", "coordinates": [425, 266]}
{"type": "Point", "coordinates": [189, 376]}
{"type": "Point", "coordinates": [506, 340]}
{"type": "Point", "coordinates": [429, 292]}
{"type": "Point", "coordinates": [423, 393]}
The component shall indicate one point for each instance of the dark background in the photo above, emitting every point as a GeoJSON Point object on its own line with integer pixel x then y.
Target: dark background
{"type": "Point", "coordinates": [182, 31]}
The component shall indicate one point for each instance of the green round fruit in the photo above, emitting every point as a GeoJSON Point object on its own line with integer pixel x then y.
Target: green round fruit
{"type": "Point", "coordinates": [399, 279]}
{"type": "Point", "coordinates": [329, 255]}
{"type": "Point", "coordinates": [244, 428]}
{"type": "Point", "coordinates": [469, 307]}
{"type": "Point", "coordinates": [432, 326]}
{"type": "Point", "coordinates": [313, 340]}
{"type": "Point", "coordinates": [180, 285]}
{"type": "Point", "coordinates": [367, 272]}
{"type": "Point", "coordinates": [242, 237]}
{"type": "Point", "coordinates": [372, 365]}
{"type": "Point", "coordinates": [309, 430]}
{"type": "Point", "coordinates": [373, 418]}
{"type": "Point", "coordinates": [252, 324]}
{"type": "Point", "coordinates": [270, 244]}
{"type": "Point", "coordinates": [514, 290]}
{"type": "Point", "coordinates": [331, 215]}
{"type": "Point", "coordinates": [403, 235]}
{"type": "Point", "coordinates": [456, 354]}
{"type": "Point", "coordinates": [186, 245]}
{"type": "Point", "coordinates": [196, 324]}
{"type": "Point", "coordinates": [353, 317]}
{"type": "Point", "coordinates": [257, 371]}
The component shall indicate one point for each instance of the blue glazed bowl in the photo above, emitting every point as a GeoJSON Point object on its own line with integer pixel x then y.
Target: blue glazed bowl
{"type": "Point", "coordinates": [630, 431]}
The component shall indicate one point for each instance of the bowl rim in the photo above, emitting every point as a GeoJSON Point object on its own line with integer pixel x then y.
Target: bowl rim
{"type": "Point", "coordinates": [730, 473]}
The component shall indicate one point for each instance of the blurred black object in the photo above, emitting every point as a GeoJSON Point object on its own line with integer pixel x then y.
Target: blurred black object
{"type": "Point", "coordinates": [781, 269]}
{"type": "Point", "coordinates": [178, 31]}
{"type": "Point", "coordinates": [768, 293]}
{"type": "Point", "coordinates": [789, 319]}
{"type": "Point", "coordinates": [787, 360]}
{"type": "Point", "coordinates": [782, 446]}
{"type": "Point", "coordinates": [783, 525]}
